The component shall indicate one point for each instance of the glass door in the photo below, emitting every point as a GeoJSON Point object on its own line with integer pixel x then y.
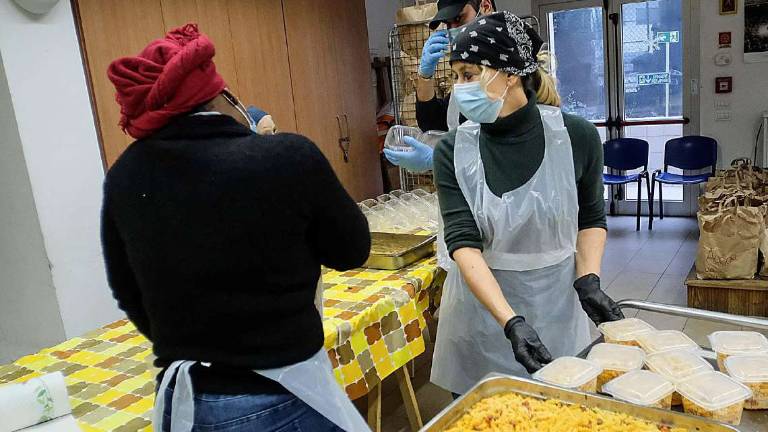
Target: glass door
{"type": "Point", "coordinates": [621, 65]}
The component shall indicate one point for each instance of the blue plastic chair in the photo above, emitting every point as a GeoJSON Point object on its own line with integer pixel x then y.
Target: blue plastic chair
{"type": "Point", "coordinates": [625, 154]}
{"type": "Point", "coordinates": [691, 152]}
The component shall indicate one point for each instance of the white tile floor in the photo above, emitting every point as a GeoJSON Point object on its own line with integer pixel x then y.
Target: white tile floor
{"type": "Point", "coordinates": [644, 265]}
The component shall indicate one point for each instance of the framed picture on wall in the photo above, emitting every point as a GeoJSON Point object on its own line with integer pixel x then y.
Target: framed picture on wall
{"type": "Point", "coordinates": [728, 7]}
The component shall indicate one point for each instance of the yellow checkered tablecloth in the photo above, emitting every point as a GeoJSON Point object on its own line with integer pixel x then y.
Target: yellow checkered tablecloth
{"type": "Point", "coordinates": [374, 323]}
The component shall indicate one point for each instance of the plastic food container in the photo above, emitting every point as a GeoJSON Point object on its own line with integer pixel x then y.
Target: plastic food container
{"type": "Point", "coordinates": [677, 366]}
{"type": "Point", "coordinates": [615, 360]}
{"type": "Point", "coordinates": [752, 371]}
{"type": "Point", "coordinates": [728, 343]}
{"type": "Point", "coordinates": [642, 387]}
{"type": "Point", "coordinates": [714, 395]}
{"type": "Point", "coordinates": [666, 340]}
{"type": "Point", "coordinates": [572, 373]}
{"type": "Point", "coordinates": [624, 331]}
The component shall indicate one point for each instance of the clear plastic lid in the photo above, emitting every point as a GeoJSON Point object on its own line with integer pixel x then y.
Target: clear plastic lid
{"type": "Point", "coordinates": [625, 330]}
{"type": "Point", "coordinates": [677, 365]}
{"type": "Point", "coordinates": [617, 357]}
{"type": "Point", "coordinates": [713, 390]}
{"type": "Point", "coordinates": [666, 340]}
{"type": "Point", "coordinates": [569, 372]}
{"type": "Point", "coordinates": [640, 387]}
{"type": "Point", "coordinates": [751, 368]}
{"type": "Point", "coordinates": [738, 342]}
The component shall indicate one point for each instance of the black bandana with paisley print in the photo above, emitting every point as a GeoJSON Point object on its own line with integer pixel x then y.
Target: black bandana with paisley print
{"type": "Point", "coordinates": [500, 41]}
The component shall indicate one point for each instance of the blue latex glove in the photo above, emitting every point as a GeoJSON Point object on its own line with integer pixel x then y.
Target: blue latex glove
{"type": "Point", "coordinates": [418, 160]}
{"type": "Point", "coordinates": [434, 49]}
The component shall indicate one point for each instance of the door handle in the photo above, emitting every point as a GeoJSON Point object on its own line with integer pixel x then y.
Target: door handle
{"type": "Point", "coordinates": [344, 140]}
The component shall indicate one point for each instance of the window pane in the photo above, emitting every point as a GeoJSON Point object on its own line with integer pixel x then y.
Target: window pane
{"type": "Point", "coordinates": [578, 61]}
{"type": "Point", "coordinates": [653, 59]}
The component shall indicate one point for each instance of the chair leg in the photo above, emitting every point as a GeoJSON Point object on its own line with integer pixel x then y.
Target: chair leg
{"type": "Point", "coordinates": [612, 207]}
{"type": "Point", "coordinates": [639, 198]}
{"type": "Point", "coordinates": [661, 200]}
{"type": "Point", "coordinates": [651, 192]}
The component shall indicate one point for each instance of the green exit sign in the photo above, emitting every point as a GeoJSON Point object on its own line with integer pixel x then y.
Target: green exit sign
{"type": "Point", "coordinates": [668, 37]}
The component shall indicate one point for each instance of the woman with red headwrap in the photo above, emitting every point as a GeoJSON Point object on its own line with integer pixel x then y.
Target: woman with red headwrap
{"type": "Point", "coordinates": [213, 240]}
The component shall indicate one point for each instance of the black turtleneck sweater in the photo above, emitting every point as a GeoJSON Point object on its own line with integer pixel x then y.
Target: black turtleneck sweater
{"type": "Point", "coordinates": [213, 239]}
{"type": "Point", "coordinates": [512, 149]}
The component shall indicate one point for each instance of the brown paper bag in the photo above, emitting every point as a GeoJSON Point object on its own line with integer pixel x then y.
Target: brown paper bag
{"type": "Point", "coordinates": [413, 31]}
{"type": "Point", "coordinates": [729, 241]}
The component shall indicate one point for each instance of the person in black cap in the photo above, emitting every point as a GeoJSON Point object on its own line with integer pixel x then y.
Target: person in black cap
{"type": "Point", "coordinates": [431, 111]}
{"type": "Point", "coordinates": [521, 197]}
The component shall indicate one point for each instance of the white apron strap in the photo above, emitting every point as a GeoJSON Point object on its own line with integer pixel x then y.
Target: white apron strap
{"type": "Point", "coordinates": [313, 382]}
{"type": "Point", "coordinates": [159, 410]}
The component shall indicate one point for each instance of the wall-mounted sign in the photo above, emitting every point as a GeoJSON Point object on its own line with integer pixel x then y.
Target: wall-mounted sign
{"type": "Point", "coordinates": [728, 7]}
{"type": "Point", "coordinates": [653, 78]}
{"type": "Point", "coordinates": [724, 39]}
{"type": "Point", "coordinates": [723, 84]}
{"type": "Point", "coordinates": [668, 37]}
{"type": "Point", "coordinates": [756, 31]}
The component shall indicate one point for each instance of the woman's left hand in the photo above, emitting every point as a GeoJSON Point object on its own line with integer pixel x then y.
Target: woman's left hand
{"type": "Point", "coordinates": [595, 302]}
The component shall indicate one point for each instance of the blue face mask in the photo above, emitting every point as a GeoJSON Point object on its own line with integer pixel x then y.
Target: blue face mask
{"type": "Point", "coordinates": [475, 104]}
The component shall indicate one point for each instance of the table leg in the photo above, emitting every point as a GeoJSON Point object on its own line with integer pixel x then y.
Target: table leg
{"type": "Point", "coordinates": [409, 399]}
{"type": "Point", "coordinates": [374, 408]}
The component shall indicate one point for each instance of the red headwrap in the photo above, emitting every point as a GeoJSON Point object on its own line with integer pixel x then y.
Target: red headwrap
{"type": "Point", "coordinates": [171, 76]}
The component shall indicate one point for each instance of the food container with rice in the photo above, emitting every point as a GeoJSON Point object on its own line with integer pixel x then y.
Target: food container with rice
{"type": "Point", "coordinates": [615, 360]}
{"type": "Point", "coordinates": [714, 395]}
{"type": "Point", "coordinates": [666, 340]}
{"type": "Point", "coordinates": [752, 371]}
{"type": "Point", "coordinates": [728, 343]}
{"type": "Point", "coordinates": [572, 373]}
{"type": "Point", "coordinates": [677, 366]}
{"type": "Point", "coordinates": [624, 331]}
{"type": "Point", "coordinates": [642, 387]}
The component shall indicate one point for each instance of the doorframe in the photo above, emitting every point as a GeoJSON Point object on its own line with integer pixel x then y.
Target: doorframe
{"type": "Point", "coordinates": [691, 78]}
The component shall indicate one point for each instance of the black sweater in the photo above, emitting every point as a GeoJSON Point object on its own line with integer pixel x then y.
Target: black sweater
{"type": "Point", "coordinates": [213, 239]}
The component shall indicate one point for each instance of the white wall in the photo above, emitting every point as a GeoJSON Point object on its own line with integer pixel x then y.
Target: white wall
{"type": "Point", "coordinates": [381, 19]}
{"type": "Point", "coordinates": [46, 79]}
{"type": "Point", "coordinates": [750, 84]}
{"type": "Point", "coordinates": [29, 310]}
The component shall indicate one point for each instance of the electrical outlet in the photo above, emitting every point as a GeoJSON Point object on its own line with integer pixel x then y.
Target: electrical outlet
{"type": "Point", "coordinates": [722, 115]}
{"type": "Point", "coordinates": [722, 103]}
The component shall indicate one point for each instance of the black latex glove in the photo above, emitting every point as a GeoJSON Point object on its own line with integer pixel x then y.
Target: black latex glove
{"type": "Point", "coordinates": [595, 302]}
{"type": "Point", "coordinates": [529, 351]}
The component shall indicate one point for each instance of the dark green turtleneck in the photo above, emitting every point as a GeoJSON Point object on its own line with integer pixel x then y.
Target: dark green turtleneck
{"type": "Point", "coordinates": [512, 149]}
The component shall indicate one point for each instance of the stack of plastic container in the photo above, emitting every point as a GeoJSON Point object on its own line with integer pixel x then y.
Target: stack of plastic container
{"type": "Point", "coordinates": [402, 212]}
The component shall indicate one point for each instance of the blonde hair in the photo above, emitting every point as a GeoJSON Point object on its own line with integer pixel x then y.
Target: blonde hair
{"type": "Point", "coordinates": [546, 90]}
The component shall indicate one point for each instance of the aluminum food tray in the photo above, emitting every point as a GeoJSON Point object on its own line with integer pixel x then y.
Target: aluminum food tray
{"type": "Point", "coordinates": [418, 247]}
{"type": "Point", "coordinates": [495, 384]}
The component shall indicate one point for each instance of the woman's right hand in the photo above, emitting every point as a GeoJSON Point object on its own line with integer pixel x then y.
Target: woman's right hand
{"type": "Point", "coordinates": [529, 350]}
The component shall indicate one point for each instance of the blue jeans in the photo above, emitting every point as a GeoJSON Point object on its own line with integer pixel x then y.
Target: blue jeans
{"type": "Point", "coordinates": [253, 412]}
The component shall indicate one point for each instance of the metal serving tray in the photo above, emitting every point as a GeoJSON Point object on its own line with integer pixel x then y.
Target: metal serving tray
{"type": "Point", "coordinates": [495, 383]}
{"type": "Point", "coordinates": [395, 251]}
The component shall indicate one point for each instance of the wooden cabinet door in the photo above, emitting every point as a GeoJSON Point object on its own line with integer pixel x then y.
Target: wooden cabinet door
{"type": "Point", "coordinates": [331, 76]}
{"type": "Point", "coordinates": [106, 37]}
{"type": "Point", "coordinates": [261, 58]}
{"type": "Point", "coordinates": [358, 99]}
{"type": "Point", "coordinates": [315, 76]}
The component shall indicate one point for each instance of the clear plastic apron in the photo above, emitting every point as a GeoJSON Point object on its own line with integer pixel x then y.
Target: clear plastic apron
{"type": "Point", "coordinates": [529, 237]}
{"type": "Point", "coordinates": [312, 381]}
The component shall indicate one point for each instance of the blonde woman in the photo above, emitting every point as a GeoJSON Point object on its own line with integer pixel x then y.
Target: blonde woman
{"type": "Point", "coordinates": [521, 197]}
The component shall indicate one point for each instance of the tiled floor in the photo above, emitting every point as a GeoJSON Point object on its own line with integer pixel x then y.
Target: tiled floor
{"type": "Point", "coordinates": [637, 265]}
